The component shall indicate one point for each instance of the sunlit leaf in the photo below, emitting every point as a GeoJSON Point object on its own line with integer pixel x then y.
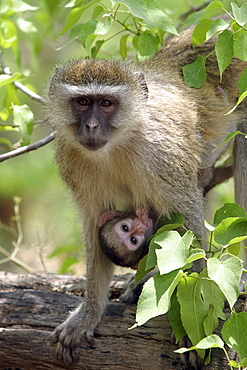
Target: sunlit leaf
{"type": "Point", "coordinates": [227, 275]}
{"type": "Point", "coordinates": [23, 119]}
{"type": "Point", "coordinates": [193, 309]}
{"type": "Point", "coordinates": [240, 14]}
{"type": "Point", "coordinates": [234, 333]}
{"type": "Point", "coordinates": [224, 50]}
{"type": "Point", "coordinates": [240, 47]}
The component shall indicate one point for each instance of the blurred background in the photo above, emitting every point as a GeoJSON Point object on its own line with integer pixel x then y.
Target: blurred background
{"type": "Point", "coordinates": [47, 232]}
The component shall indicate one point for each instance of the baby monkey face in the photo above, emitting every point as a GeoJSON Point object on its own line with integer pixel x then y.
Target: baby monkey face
{"type": "Point", "coordinates": [133, 232]}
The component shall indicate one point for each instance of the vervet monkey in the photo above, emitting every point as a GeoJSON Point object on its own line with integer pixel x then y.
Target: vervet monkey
{"type": "Point", "coordinates": [123, 236]}
{"type": "Point", "coordinates": [136, 135]}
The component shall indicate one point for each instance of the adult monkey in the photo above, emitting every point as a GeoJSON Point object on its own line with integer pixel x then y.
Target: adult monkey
{"type": "Point", "coordinates": [137, 135]}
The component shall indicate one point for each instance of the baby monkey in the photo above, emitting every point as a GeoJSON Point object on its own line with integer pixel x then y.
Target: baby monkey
{"type": "Point", "coordinates": [123, 235]}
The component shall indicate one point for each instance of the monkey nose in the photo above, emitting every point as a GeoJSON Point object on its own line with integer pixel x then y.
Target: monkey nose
{"type": "Point", "coordinates": [138, 228]}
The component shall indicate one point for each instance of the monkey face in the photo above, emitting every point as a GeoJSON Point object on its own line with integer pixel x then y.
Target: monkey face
{"type": "Point", "coordinates": [133, 232]}
{"type": "Point", "coordinates": [96, 102]}
{"type": "Point", "coordinates": [93, 114]}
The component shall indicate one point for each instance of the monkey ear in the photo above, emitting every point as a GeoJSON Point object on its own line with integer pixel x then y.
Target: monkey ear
{"type": "Point", "coordinates": [141, 79]}
{"type": "Point", "coordinates": [107, 216]}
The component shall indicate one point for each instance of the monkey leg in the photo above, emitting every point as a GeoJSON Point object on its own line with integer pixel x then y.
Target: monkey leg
{"type": "Point", "coordinates": [82, 321]}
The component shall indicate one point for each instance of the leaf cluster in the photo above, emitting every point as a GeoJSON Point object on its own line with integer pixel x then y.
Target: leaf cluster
{"type": "Point", "coordinates": [231, 42]}
{"type": "Point", "coordinates": [195, 301]}
{"type": "Point", "coordinates": [141, 22]}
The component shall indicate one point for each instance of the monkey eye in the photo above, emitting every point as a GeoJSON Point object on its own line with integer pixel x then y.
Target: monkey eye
{"type": "Point", "coordinates": [125, 228]}
{"type": "Point", "coordinates": [106, 103]}
{"type": "Point", "coordinates": [84, 102]}
{"type": "Point", "coordinates": [133, 240]}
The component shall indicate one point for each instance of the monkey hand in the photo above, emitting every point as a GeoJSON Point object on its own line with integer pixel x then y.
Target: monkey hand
{"type": "Point", "coordinates": [68, 335]}
{"type": "Point", "coordinates": [189, 359]}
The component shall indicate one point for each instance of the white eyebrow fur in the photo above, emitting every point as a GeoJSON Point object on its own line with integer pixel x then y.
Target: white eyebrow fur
{"type": "Point", "coordinates": [93, 89]}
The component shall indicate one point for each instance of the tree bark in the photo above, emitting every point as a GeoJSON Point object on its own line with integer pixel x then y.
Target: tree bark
{"type": "Point", "coordinates": [33, 305]}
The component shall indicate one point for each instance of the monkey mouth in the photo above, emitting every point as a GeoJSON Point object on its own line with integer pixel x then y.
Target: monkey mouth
{"type": "Point", "coordinates": [93, 145]}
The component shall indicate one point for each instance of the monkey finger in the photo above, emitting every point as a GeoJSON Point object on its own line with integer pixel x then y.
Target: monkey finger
{"type": "Point", "coordinates": [190, 358]}
{"type": "Point", "coordinates": [89, 335]}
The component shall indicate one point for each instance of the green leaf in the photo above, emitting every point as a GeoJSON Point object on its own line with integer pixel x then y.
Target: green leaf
{"type": "Point", "coordinates": [96, 48]}
{"type": "Point", "coordinates": [195, 73]}
{"type": "Point", "coordinates": [224, 50]}
{"type": "Point", "coordinates": [151, 257]}
{"type": "Point", "coordinates": [147, 45]}
{"type": "Point", "coordinates": [200, 31]}
{"type": "Point", "coordinates": [230, 229]}
{"type": "Point", "coordinates": [240, 47]}
{"type": "Point", "coordinates": [142, 271]}
{"type": "Point", "coordinates": [213, 9]}
{"type": "Point", "coordinates": [208, 226]}
{"type": "Point", "coordinates": [123, 46]}
{"type": "Point", "coordinates": [26, 26]}
{"type": "Point", "coordinates": [91, 29]}
{"type": "Point", "coordinates": [173, 253]}
{"type": "Point", "coordinates": [6, 142]}
{"type": "Point", "coordinates": [60, 250]}
{"type": "Point", "coordinates": [195, 254]}
{"type": "Point", "coordinates": [23, 119]}
{"type": "Point", "coordinates": [242, 82]}
{"type": "Point", "coordinates": [174, 218]}
{"type": "Point", "coordinates": [175, 318]}
{"type": "Point", "coordinates": [240, 99]}
{"type": "Point", "coordinates": [4, 115]}
{"type": "Point", "coordinates": [217, 26]}
{"type": "Point", "coordinates": [149, 11]}
{"type": "Point", "coordinates": [228, 138]}
{"type": "Point", "coordinates": [211, 341]}
{"type": "Point", "coordinates": [74, 34]}
{"type": "Point", "coordinates": [6, 79]}
{"type": "Point", "coordinates": [214, 300]}
{"type": "Point", "coordinates": [240, 14]}
{"type": "Point", "coordinates": [193, 309]}
{"type": "Point", "coordinates": [227, 275]}
{"type": "Point", "coordinates": [234, 333]}
{"type": "Point", "coordinates": [193, 18]}
{"type": "Point", "coordinates": [228, 210]}
{"type": "Point", "coordinates": [67, 263]}
{"type": "Point", "coordinates": [155, 297]}
{"type": "Point", "coordinates": [20, 6]}
{"type": "Point", "coordinates": [98, 10]}
{"type": "Point", "coordinates": [159, 18]}
{"type": "Point", "coordinates": [74, 16]}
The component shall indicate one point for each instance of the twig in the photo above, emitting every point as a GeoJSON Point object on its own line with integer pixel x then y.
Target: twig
{"type": "Point", "coordinates": [6, 70]}
{"type": "Point", "coordinates": [27, 148]}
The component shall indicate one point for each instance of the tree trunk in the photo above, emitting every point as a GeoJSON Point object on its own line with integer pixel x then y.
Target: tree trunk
{"type": "Point", "coordinates": [33, 305]}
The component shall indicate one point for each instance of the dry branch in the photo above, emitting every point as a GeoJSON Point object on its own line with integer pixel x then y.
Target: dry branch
{"type": "Point", "coordinates": [33, 305]}
{"type": "Point", "coordinates": [27, 148]}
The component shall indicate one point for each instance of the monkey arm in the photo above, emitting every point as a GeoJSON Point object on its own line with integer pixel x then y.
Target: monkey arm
{"type": "Point", "coordinates": [220, 174]}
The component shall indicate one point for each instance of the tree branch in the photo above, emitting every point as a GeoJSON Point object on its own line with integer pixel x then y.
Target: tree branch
{"type": "Point", "coordinates": [33, 305]}
{"type": "Point", "coordinates": [27, 148]}
{"type": "Point", "coordinates": [6, 70]}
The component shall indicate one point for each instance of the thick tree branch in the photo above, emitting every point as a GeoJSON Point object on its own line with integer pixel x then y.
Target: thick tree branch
{"type": "Point", "coordinates": [27, 148]}
{"type": "Point", "coordinates": [33, 305]}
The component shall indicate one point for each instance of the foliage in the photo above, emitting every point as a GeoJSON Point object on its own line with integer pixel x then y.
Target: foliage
{"type": "Point", "coordinates": [195, 301]}
{"type": "Point", "coordinates": [231, 42]}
